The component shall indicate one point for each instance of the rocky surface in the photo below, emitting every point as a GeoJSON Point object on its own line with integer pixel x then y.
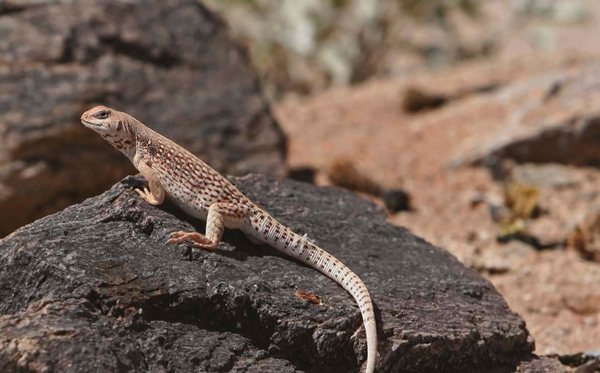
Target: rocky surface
{"type": "Point", "coordinates": [584, 361]}
{"type": "Point", "coordinates": [96, 284]}
{"type": "Point", "coordinates": [556, 121]}
{"type": "Point", "coordinates": [541, 365]}
{"type": "Point", "coordinates": [454, 207]}
{"type": "Point", "coordinates": [170, 64]}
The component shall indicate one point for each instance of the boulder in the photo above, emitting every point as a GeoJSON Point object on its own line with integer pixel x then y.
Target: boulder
{"type": "Point", "coordinates": [556, 120]}
{"type": "Point", "coordinates": [171, 64]}
{"type": "Point", "coordinates": [543, 364]}
{"type": "Point", "coordinates": [95, 288]}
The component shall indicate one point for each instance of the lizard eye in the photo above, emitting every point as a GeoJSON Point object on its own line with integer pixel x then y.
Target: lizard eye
{"type": "Point", "coordinates": [102, 114]}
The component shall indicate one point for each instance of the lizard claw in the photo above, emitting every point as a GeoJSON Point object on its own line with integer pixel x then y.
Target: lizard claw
{"type": "Point", "coordinates": [175, 235]}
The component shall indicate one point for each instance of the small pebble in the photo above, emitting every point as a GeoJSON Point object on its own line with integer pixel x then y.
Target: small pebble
{"type": "Point", "coordinates": [396, 200]}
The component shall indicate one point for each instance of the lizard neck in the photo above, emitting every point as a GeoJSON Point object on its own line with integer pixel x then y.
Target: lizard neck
{"type": "Point", "coordinates": [124, 140]}
{"type": "Point", "coordinates": [150, 143]}
{"type": "Point", "coordinates": [131, 150]}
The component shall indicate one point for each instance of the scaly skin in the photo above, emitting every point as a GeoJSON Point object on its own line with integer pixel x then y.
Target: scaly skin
{"type": "Point", "coordinates": [203, 193]}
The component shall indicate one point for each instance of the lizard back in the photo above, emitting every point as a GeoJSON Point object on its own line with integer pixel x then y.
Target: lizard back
{"type": "Point", "coordinates": [189, 182]}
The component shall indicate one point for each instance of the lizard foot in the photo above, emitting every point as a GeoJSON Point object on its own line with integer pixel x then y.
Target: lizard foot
{"type": "Point", "coordinates": [197, 239]}
{"type": "Point", "coordinates": [147, 196]}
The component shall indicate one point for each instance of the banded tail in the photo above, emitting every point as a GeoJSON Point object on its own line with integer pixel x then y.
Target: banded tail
{"type": "Point", "coordinates": [268, 230]}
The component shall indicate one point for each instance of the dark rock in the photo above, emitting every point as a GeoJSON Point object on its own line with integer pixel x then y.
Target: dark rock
{"type": "Point", "coordinates": [171, 64]}
{"type": "Point", "coordinates": [542, 364]}
{"type": "Point", "coordinates": [580, 358]}
{"type": "Point", "coordinates": [415, 100]}
{"type": "Point", "coordinates": [95, 285]}
{"type": "Point", "coordinates": [549, 123]}
{"type": "Point", "coordinates": [304, 174]}
{"type": "Point", "coordinates": [396, 200]}
{"type": "Point", "coordinates": [589, 367]}
{"type": "Point", "coordinates": [343, 173]}
{"type": "Point", "coordinates": [531, 240]}
{"type": "Point", "coordinates": [418, 99]}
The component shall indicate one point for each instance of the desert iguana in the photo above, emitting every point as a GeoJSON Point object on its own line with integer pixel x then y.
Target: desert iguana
{"type": "Point", "coordinates": [203, 193]}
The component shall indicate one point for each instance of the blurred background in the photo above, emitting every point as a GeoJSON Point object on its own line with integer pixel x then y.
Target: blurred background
{"type": "Point", "coordinates": [474, 124]}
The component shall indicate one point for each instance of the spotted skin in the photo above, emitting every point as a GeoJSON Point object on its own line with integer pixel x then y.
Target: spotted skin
{"type": "Point", "coordinates": [173, 172]}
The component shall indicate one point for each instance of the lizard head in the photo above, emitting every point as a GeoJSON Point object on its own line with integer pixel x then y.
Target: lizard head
{"type": "Point", "coordinates": [114, 126]}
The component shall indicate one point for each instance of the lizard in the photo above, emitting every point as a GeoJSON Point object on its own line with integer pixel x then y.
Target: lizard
{"type": "Point", "coordinates": [201, 192]}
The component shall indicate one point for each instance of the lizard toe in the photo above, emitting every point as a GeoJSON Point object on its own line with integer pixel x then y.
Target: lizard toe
{"type": "Point", "coordinates": [205, 246]}
{"type": "Point", "coordinates": [177, 234]}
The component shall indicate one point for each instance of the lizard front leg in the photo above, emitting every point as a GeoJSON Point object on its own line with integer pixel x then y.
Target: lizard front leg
{"type": "Point", "coordinates": [156, 195]}
{"type": "Point", "coordinates": [219, 216]}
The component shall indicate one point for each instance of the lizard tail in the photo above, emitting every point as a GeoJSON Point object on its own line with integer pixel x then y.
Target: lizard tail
{"type": "Point", "coordinates": [327, 264]}
{"type": "Point", "coordinates": [268, 230]}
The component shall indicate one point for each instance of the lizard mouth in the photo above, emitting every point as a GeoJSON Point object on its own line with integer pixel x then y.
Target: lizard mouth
{"type": "Point", "coordinates": [90, 124]}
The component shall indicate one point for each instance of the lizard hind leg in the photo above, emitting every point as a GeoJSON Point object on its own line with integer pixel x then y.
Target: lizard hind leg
{"type": "Point", "coordinates": [219, 216]}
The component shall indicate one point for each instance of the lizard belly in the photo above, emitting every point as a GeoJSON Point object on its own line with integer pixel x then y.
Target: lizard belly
{"type": "Point", "coordinates": [195, 209]}
{"type": "Point", "coordinates": [198, 213]}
